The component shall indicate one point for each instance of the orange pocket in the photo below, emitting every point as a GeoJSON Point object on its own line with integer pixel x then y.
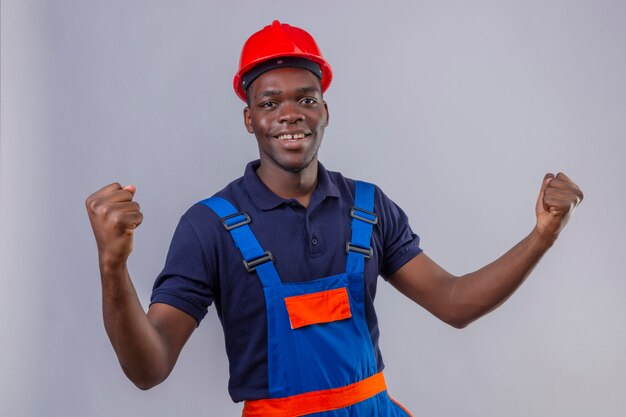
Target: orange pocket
{"type": "Point", "coordinates": [319, 307]}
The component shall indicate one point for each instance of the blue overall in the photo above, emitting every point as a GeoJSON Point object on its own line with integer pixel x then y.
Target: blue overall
{"type": "Point", "coordinates": [335, 351]}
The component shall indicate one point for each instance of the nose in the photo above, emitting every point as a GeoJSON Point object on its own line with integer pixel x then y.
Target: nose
{"type": "Point", "coordinates": [290, 113]}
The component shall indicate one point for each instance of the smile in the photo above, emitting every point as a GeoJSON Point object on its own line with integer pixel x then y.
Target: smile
{"type": "Point", "coordinates": [289, 136]}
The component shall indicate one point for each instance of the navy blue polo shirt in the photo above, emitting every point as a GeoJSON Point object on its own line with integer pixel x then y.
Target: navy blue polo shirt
{"type": "Point", "coordinates": [203, 266]}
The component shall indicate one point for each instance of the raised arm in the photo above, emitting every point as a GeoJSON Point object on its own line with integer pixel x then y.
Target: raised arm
{"type": "Point", "coordinates": [147, 345]}
{"type": "Point", "coordinates": [460, 300]}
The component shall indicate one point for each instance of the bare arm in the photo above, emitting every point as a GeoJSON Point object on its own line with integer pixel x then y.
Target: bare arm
{"type": "Point", "coordinates": [147, 345]}
{"type": "Point", "coordinates": [460, 300]}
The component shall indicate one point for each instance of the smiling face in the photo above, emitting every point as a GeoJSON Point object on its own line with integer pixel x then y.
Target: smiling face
{"type": "Point", "coordinates": [288, 116]}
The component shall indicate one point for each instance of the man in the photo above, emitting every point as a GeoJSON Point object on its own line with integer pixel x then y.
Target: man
{"type": "Point", "coordinates": [298, 317]}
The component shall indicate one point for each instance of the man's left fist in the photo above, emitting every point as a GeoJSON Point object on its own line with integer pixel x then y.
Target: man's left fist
{"type": "Point", "coordinates": [557, 200]}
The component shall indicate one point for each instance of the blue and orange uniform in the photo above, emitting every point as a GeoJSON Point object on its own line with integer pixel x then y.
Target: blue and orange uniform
{"type": "Point", "coordinates": [300, 328]}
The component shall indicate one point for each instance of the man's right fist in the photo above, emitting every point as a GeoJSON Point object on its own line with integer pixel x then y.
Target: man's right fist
{"type": "Point", "coordinates": [114, 216]}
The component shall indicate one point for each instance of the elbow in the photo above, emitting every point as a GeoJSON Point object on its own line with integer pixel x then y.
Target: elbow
{"type": "Point", "coordinates": [457, 318]}
{"type": "Point", "coordinates": [461, 313]}
{"type": "Point", "coordinates": [145, 385]}
{"type": "Point", "coordinates": [459, 324]}
{"type": "Point", "coordinates": [147, 379]}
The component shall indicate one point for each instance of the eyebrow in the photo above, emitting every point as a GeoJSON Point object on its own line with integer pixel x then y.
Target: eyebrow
{"type": "Point", "coordinates": [301, 90]}
{"type": "Point", "coordinates": [307, 90]}
{"type": "Point", "coordinates": [269, 93]}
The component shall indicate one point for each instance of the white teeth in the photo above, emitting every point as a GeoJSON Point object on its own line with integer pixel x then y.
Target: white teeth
{"type": "Point", "coordinates": [292, 137]}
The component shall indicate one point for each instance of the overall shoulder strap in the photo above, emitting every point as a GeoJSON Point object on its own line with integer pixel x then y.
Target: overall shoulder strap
{"type": "Point", "coordinates": [363, 221]}
{"type": "Point", "coordinates": [254, 257]}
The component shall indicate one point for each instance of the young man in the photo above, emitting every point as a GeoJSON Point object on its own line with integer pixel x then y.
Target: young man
{"type": "Point", "coordinates": [290, 253]}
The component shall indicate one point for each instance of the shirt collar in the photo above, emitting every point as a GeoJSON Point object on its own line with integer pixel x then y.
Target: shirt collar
{"type": "Point", "coordinates": [265, 199]}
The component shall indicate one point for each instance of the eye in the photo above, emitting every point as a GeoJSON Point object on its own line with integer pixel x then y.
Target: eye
{"type": "Point", "coordinates": [308, 100]}
{"type": "Point", "coordinates": [268, 105]}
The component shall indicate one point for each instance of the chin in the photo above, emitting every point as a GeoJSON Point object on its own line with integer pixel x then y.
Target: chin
{"type": "Point", "coordinates": [295, 167]}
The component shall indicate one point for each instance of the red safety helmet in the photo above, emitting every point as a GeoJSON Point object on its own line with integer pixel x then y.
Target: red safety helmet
{"type": "Point", "coordinates": [279, 40]}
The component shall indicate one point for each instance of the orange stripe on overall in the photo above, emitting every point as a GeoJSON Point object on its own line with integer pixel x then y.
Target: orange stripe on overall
{"type": "Point", "coordinates": [316, 401]}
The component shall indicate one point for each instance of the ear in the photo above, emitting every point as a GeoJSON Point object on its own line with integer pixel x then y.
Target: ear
{"type": "Point", "coordinates": [327, 114]}
{"type": "Point", "coordinates": [247, 119]}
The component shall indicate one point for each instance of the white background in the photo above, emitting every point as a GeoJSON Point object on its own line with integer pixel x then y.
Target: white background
{"type": "Point", "coordinates": [455, 108]}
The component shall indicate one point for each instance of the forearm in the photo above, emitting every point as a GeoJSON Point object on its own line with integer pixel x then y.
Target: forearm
{"type": "Point", "coordinates": [477, 293]}
{"type": "Point", "coordinates": [140, 348]}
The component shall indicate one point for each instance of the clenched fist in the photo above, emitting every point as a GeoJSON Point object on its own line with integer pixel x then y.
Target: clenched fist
{"type": "Point", "coordinates": [114, 216]}
{"type": "Point", "coordinates": [557, 200]}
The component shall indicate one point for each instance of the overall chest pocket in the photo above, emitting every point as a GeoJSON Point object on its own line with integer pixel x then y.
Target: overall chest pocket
{"type": "Point", "coordinates": [318, 307]}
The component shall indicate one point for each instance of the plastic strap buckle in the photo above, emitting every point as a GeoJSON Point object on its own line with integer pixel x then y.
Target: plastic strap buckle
{"type": "Point", "coordinates": [368, 252]}
{"type": "Point", "coordinates": [353, 214]}
{"type": "Point", "coordinates": [246, 220]}
{"type": "Point", "coordinates": [252, 265]}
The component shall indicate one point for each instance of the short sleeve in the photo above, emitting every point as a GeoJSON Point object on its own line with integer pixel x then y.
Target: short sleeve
{"type": "Point", "coordinates": [400, 243]}
{"type": "Point", "coordinates": [185, 282]}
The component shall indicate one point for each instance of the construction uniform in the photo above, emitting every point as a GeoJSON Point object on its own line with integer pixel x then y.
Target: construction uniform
{"type": "Point", "coordinates": [294, 290]}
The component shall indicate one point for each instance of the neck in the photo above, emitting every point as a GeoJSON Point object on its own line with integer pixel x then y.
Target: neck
{"type": "Point", "coordinates": [285, 184]}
